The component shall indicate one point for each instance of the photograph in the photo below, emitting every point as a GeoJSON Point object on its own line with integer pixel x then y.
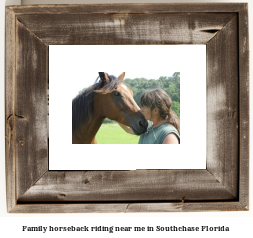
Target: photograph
{"type": "Point", "coordinates": [103, 112]}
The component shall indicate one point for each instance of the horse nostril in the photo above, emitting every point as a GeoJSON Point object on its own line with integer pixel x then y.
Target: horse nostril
{"type": "Point", "coordinates": [141, 125]}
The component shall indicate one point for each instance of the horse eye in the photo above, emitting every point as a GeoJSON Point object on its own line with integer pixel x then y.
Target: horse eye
{"type": "Point", "coordinates": [116, 93]}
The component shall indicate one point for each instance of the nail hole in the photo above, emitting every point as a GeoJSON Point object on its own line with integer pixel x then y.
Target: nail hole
{"type": "Point", "coordinates": [183, 199]}
{"type": "Point", "coordinates": [86, 181]}
{"type": "Point", "coordinates": [61, 195]}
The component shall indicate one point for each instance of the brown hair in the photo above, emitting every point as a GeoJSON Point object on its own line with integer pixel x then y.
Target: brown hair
{"type": "Point", "coordinates": [158, 98]}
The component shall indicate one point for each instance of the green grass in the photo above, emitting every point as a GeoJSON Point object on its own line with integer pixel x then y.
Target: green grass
{"type": "Point", "coordinates": [112, 133]}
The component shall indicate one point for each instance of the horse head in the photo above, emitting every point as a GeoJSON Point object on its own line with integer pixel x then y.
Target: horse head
{"type": "Point", "coordinates": [116, 102]}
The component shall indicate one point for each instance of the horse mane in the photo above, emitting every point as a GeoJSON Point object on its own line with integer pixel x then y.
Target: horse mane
{"type": "Point", "coordinates": [82, 104]}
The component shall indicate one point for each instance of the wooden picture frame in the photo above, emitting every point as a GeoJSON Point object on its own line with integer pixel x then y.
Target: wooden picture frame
{"type": "Point", "coordinates": [222, 186]}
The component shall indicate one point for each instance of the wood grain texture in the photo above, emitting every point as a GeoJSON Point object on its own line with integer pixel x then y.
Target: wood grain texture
{"type": "Point", "coordinates": [129, 207]}
{"type": "Point", "coordinates": [186, 207]}
{"type": "Point", "coordinates": [223, 186]}
{"type": "Point", "coordinates": [222, 107]}
{"type": "Point", "coordinates": [244, 106]}
{"type": "Point", "coordinates": [155, 8]}
{"type": "Point", "coordinates": [10, 64]}
{"type": "Point", "coordinates": [139, 185]}
{"type": "Point", "coordinates": [30, 108]}
{"type": "Point", "coordinates": [122, 29]}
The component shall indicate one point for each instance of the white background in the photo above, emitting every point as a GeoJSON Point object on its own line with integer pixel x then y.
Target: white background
{"type": "Point", "coordinates": [11, 224]}
{"type": "Point", "coordinates": [68, 65]}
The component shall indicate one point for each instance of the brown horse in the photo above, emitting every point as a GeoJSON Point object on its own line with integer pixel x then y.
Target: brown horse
{"type": "Point", "coordinates": [108, 97]}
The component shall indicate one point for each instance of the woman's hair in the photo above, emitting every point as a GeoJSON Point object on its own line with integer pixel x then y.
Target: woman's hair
{"type": "Point", "coordinates": [158, 98]}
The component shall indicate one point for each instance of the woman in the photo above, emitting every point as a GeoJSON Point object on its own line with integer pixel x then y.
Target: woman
{"type": "Point", "coordinates": [163, 123]}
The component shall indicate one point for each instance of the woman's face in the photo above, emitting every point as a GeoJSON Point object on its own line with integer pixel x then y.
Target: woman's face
{"type": "Point", "coordinates": [146, 111]}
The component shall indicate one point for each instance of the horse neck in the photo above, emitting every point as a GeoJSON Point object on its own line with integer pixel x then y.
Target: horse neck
{"type": "Point", "coordinates": [87, 132]}
{"type": "Point", "coordinates": [93, 126]}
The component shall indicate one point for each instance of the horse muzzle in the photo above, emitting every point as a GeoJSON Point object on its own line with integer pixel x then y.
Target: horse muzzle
{"type": "Point", "coordinates": [138, 124]}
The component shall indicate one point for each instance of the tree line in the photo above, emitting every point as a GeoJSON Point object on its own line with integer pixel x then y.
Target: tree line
{"type": "Point", "coordinates": [171, 85]}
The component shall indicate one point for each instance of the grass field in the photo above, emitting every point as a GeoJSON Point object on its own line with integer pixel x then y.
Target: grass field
{"type": "Point", "coordinates": [113, 134]}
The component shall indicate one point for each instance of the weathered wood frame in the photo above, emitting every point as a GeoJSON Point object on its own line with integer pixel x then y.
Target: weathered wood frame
{"type": "Point", "coordinates": [223, 186]}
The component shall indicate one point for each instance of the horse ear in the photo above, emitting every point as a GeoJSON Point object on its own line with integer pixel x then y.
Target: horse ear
{"type": "Point", "coordinates": [103, 77]}
{"type": "Point", "coordinates": [122, 76]}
